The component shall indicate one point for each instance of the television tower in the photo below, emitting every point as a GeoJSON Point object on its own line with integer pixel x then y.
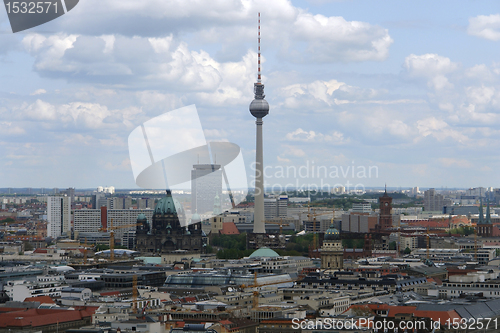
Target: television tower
{"type": "Point", "coordinates": [259, 108]}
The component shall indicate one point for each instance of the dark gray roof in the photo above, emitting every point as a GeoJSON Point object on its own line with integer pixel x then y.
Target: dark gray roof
{"type": "Point", "coordinates": [489, 309]}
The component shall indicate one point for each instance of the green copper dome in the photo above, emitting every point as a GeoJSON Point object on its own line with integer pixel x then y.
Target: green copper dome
{"type": "Point", "coordinates": [332, 233]}
{"type": "Point", "coordinates": [141, 217]}
{"type": "Point", "coordinates": [264, 252]}
{"type": "Point", "coordinates": [168, 205]}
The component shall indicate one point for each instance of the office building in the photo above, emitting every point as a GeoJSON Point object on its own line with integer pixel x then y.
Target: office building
{"type": "Point", "coordinates": [434, 202]}
{"type": "Point", "coordinates": [276, 207]}
{"type": "Point", "coordinates": [361, 207]}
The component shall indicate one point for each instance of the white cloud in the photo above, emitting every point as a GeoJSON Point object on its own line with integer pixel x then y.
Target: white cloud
{"type": "Point", "coordinates": [439, 129]}
{"type": "Point", "coordinates": [480, 72]}
{"type": "Point", "coordinates": [485, 26]}
{"type": "Point", "coordinates": [335, 39]}
{"type": "Point", "coordinates": [480, 95]}
{"type": "Point", "coordinates": [75, 114]}
{"type": "Point", "coordinates": [7, 128]}
{"type": "Point", "coordinates": [282, 159]}
{"type": "Point", "coordinates": [50, 50]}
{"type": "Point", "coordinates": [311, 136]}
{"type": "Point", "coordinates": [433, 67]}
{"type": "Point", "coordinates": [38, 92]}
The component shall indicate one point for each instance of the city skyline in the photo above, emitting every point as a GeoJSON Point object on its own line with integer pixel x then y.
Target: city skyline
{"type": "Point", "coordinates": [408, 90]}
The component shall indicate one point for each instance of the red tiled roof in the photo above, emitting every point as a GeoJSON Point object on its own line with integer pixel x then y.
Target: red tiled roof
{"type": "Point", "coordinates": [431, 224]}
{"type": "Point", "coordinates": [42, 317]}
{"type": "Point", "coordinates": [41, 299]}
{"type": "Point", "coordinates": [441, 316]}
{"type": "Point", "coordinates": [229, 228]}
{"type": "Point", "coordinates": [460, 219]}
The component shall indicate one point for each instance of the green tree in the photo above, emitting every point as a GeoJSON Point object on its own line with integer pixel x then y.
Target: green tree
{"type": "Point", "coordinates": [392, 245]}
{"type": "Point", "coordinates": [407, 251]}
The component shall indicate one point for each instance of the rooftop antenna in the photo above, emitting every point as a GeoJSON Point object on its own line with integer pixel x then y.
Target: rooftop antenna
{"type": "Point", "coordinates": [258, 57]}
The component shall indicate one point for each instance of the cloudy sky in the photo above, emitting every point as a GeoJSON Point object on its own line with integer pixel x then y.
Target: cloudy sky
{"type": "Point", "coordinates": [407, 90]}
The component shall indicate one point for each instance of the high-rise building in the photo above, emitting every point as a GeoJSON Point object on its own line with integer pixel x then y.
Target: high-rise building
{"type": "Point", "coordinates": [276, 207]}
{"type": "Point", "coordinates": [434, 202]}
{"type": "Point", "coordinates": [143, 203]}
{"type": "Point", "coordinates": [94, 200]}
{"type": "Point", "coordinates": [58, 215]}
{"type": "Point", "coordinates": [270, 208]}
{"type": "Point", "coordinates": [206, 184]}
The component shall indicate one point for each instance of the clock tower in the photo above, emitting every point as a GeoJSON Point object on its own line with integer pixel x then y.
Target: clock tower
{"type": "Point", "coordinates": [385, 218]}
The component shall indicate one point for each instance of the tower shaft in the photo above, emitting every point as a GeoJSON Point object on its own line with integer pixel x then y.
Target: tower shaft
{"type": "Point", "coordinates": [259, 108]}
{"type": "Point", "coordinates": [259, 224]}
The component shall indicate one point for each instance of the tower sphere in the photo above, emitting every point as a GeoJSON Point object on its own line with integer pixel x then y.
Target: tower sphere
{"type": "Point", "coordinates": [259, 108]}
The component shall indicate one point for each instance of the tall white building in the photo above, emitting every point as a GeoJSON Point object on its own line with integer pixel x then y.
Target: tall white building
{"type": "Point", "coordinates": [58, 216]}
{"type": "Point", "coordinates": [206, 184]}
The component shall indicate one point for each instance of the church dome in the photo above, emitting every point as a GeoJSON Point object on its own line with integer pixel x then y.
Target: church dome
{"type": "Point", "coordinates": [168, 205]}
{"type": "Point", "coordinates": [332, 233]}
{"type": "Point", "coordinates": [141, 217]}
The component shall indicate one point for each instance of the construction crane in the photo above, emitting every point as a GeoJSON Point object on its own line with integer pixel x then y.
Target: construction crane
{"type": "Point", "coordinates": [315, 245]}
{"type": "Point", "coordinates": [111, 230]}
{"type": "Point", "coordinates": [255, 293]}
{"type": "Point", "coordinates": [428, 243]}
{"type": "Point", "coordinates": [134, 294]}
{"type": "Point", "coordinates": [280, 223]}
{"type": "Point", "coordinates": [85, 252]}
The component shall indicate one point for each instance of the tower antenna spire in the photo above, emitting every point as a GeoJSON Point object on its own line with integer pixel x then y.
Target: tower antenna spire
{"type": "Point", "coordinates": [258, 56]}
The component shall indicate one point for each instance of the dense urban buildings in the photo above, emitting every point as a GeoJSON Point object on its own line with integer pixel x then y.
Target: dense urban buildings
{"type": "Point", "coordinates": [173, 275]}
